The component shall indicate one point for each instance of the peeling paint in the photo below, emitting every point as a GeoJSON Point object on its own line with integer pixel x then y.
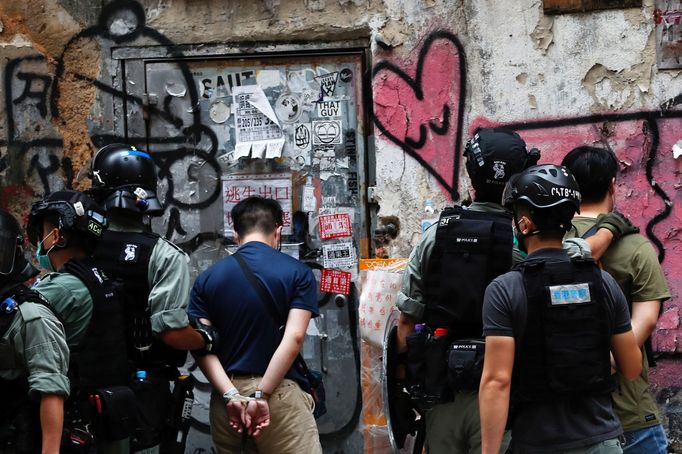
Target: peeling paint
{"type": "Point", "coordinates": [542, 35]}
{"type": "Point", "coordinates": [522, 78]}
{"type": "Point", "coordinates": [613, 89]}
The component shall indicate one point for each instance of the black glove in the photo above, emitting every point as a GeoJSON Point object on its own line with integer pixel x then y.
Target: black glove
{"type": "Point", "coordinates": [210, 335]}
{"type": "Point", "coordinates": [617, 224]}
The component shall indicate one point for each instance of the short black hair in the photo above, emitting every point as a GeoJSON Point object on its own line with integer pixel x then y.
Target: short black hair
{"type": "Point", "coordinates": [553, 223]}
{"type": "Point", "coordinates": [256, 214]}
{"type": "Point", "coordinates": [593, 168]}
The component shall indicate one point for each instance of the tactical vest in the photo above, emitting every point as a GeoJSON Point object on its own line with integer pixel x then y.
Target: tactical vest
{"type": "Point", "coordinates": [565, 348]}
{"type": "Point", "coordinates": [472, 248]}
{"type": "Point", "coordinates": [19, 418]}
{"type": "Point", "coordinates": [124, 257]}
{"type": "Point", "coordinates": [101, 358]}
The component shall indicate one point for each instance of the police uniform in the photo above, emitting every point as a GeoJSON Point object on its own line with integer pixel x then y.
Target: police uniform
{"type": "Point", "coordinates": [547, 422]}
{"type": "Point", "coordinates": [33, 362]}
{"type": "Point", "coordinates": [454, 425]}
{"type": "Point", "coordinates": [155, 277]}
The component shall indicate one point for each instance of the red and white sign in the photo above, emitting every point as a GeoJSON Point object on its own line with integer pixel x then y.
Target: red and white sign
{"type": "Point", "coordinates": [335, 226]}
{"type": "Point", "coordinates": [335, 281]}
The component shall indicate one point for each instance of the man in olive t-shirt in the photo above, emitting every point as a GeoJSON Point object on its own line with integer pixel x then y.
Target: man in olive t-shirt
{"type": "Point", "coordinates": [633, 263]}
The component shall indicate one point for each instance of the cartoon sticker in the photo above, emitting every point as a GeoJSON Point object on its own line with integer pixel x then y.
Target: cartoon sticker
{"type": "Point", "coordinates": [288, 107]}
{"type": "Point", "coordinates": [327, 132]}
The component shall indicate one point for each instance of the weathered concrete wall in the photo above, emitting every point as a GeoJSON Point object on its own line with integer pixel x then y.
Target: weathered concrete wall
{"type": "Point", "coordinates": [438, 70]}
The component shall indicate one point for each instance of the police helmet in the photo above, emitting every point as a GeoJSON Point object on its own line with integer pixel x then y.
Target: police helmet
{"type": "Point", "coordinates": [74, 212]}
{"type": "Point", "coordinates": [125, 177]}
{"type": "Point", "coordinates": [550, 190]}
{"type": "Point", "coordinates": [12, 260]}
{"type": "Point", "coordinates": [493, 156]}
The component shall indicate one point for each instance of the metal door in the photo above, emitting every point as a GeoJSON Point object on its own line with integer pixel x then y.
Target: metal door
{"type": "Point", "coordinates": [289, 127]}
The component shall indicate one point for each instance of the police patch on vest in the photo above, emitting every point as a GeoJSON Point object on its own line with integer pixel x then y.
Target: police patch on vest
{"type": "Point", "coordinates": [129, 253]}
{"type": "Point", "coordinates": [570, 294]}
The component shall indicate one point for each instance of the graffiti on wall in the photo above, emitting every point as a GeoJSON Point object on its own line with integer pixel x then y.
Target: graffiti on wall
{"type": "Point", "coordinates": [643, 142]}
{"type": "Point", "coordinates": [419, 105]}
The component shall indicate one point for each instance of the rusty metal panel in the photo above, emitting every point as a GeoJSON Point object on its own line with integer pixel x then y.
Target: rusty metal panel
{"type": "Point", "coordinates": [576, 6]}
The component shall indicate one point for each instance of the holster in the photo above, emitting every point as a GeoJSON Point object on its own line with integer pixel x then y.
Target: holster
{"type": "Point", "coordinates": [465, 364]}
{"type": "Point", "coordinates": [427, 369]}
{"type": "Point", "coordinates": [112, 412]}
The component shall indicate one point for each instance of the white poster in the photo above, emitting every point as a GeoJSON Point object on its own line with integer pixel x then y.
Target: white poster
{"type": "Point", "coordinates": [257, 128]}
{"type": "Point", "coordinates": [339, 255]}
{"type": "Point", "coordinates": [272, 186]}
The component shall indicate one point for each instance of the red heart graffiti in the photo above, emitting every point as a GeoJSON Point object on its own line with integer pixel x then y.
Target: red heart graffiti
{"type": "Point", "coordinates": [423, 114]}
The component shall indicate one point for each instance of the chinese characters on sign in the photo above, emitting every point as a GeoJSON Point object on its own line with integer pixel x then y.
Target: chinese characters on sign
{"type": "Point", "coordinates": [335, 281]}
{"type": "Point", "coordinates": [272, 186]}
{"type": "Point", "coordinates": [335, 226]}
{"type": "Point", "coordinates": [339, 255]}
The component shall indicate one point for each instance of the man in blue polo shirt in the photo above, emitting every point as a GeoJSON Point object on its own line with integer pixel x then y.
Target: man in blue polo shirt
{"type": "Point", "coordinates": [256, 387]}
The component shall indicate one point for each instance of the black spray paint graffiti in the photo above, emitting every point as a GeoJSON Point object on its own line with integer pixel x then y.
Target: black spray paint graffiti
{"type": "Point", "coordinates": [193, 140]}
{"type": "Point", "coordinates": [414, 146]}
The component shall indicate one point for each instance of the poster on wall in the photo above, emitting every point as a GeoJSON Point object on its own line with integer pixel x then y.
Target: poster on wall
{"type": "Point", "coordinates": [339, 255]}
{"type": "Point", "coordinates": [257, 129]}
{"type": "Point", "coordinates": [272, 186]}
{"type": "Point", "coordinates": [668, 26]}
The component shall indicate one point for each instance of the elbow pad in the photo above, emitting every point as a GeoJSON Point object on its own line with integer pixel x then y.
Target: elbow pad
{"type": "Point", "coordinates": [209, 334]}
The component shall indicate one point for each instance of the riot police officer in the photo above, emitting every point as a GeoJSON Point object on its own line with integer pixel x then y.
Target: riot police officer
{"type": "Point", "coordinates": [33, 355]}
{"type": "Point", "coordinates": [550, 325]}
{"type": "Point", "coordinates": [155, 277]}
{"type": "Point", "coordinates": [442, 292]}
{"type": "Point", "coordinates": [65, 227]}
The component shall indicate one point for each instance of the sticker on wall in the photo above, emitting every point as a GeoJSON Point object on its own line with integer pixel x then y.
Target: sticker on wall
{"type": "Point", "coordinates": [302, 137]}
{"type": "Point", "coordinates": [335, 226]}
{"type": "Point", "coordinates": [335, 281]}
{"type": "Point", "coordinates": [308, 202]}
{"type": "Point", "coordinates": [219, 112]}
{"type": "Point", "coordinates": [268, 78]}
{"type": "Point", "coordinates": [271, 186]}
{"type": "Point", "coordinates": [324, 157]}
{"type": "Point", "coordinates": [256, 124]}
{"type": "Point", "coordinates": [329, 109]}
{"type": "Point", "coordinates": [346, 75]}
{"type": "Point", "coordinates": [175, 88]}
{"type": "Point", "coordinates": [327, 132]}
{"type": "Point", "coordinates": [288, 108]}
{"type": "Point", "coordinates": [327, 83]}
{"type": "Point", "coordinates": [339, 255]}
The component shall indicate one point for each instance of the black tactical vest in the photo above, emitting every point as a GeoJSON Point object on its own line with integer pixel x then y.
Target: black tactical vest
{"type": "Point", "coordinates": [565, 348]}
{"type": "Point", "coordinates": [101, 358]}
{"type": "Point", "coordinates": [124, 257]}
{"type": "Point", "coordinates": [472, 248]}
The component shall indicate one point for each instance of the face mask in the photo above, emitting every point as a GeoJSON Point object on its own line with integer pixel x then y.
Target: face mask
{"type": "Point", "coordinates": [519, 238]}
{"type": "Point", "coordinates": [44, 259]}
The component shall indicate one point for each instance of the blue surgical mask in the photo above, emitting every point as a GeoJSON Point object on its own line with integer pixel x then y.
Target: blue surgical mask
{"type": "Point", "coordinates": [44, 259]}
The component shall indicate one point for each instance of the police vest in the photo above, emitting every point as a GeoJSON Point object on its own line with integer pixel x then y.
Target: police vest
{"type": "Point", "coordinates": [472, 248]}
{"type": "Point", "coordinates": [101, 357]}
{"type": "Point", "coordinates": [124, 256]}
{"type": "Point", "coordinates": [565, 348]}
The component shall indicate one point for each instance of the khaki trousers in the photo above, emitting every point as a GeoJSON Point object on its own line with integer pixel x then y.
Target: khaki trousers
{"type": "Point", "coordinates": [292, 426]}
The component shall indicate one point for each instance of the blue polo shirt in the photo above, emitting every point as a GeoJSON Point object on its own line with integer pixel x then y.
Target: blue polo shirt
{"type": "Point", "coordinates": [248, 335]}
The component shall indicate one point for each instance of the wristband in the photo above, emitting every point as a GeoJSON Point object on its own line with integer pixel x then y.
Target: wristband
{"type": "Point", "coordinates": [229, 395]}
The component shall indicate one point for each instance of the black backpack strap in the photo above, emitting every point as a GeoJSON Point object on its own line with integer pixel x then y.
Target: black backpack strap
{"type": "Point", "coordinates": [590, 232]}
{"type": "Point", "coordinates": [274, 312]}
